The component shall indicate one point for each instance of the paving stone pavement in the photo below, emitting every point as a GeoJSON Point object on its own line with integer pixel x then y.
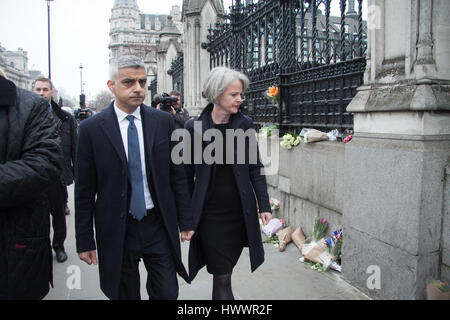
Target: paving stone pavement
{"type": "Point", "coordinates": [281, 277]}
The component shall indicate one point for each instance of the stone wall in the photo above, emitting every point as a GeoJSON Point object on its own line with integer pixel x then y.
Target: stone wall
{"type": "Point", "coordinates": [396, 163]}
{"type": "Point", "coordinates": [310, 184]}
{"type": "Point", "coordinates": [445, 244]}
{"type": "Point", "coordinates": [393, 212]}
{"type": "Point", "coordinates": [384, 225]}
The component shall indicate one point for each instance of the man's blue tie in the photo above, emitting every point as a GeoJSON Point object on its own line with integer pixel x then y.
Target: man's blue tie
{"type": "Point", "coordinates": [137, 202]}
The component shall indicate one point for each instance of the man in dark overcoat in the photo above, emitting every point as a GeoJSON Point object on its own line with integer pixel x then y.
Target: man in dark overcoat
{"type": "Point", "coordinates": [127, 185]}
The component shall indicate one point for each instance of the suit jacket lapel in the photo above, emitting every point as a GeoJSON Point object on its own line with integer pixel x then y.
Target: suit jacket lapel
{"type": "Point", "coordinates": [112, 130]}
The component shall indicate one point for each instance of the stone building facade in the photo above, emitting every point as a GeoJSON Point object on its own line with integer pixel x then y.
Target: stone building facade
{"type": "Point", "coordinates": [15, 66]}
{"type": "Point", "coordinates": [144, 35]}
{"type": "Point", "coordinates": [198, 17]}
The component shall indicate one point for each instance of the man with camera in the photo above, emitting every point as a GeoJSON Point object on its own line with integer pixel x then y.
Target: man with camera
{"type": "Point", "coordinates": [172, 104]}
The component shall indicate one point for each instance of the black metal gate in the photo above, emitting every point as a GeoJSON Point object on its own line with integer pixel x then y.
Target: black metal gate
{"type": "Point", "coordinates": [176, 71]}
{"type": "Point", "coordinates": [316, 58]}
{"type": "Point", "coordinates": [153, 87]}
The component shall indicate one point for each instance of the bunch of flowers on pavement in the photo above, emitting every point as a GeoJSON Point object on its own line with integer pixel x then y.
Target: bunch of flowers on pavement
{"type": "Point", "coordinates": [319, 252]}
{"type": "Point", "coordinates": [334, 243]}
{"type": "Point", "coordinates": [277, 233]}
{"type": "Point", "coordinates": [271, 229]}
{"type": "Point", "coordinates": [437, 290]}
{"type": "Point", "coordinates": [316, 253]}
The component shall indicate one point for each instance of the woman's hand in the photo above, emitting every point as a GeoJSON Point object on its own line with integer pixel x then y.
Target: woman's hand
{"type": "Point", "coordinates": [265, 217]}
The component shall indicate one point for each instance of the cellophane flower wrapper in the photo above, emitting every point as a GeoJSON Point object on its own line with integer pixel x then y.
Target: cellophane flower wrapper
{"type": "Point", "coordinates": [314, 135]}
{"type": "Point", "coordinates": [274, 225]}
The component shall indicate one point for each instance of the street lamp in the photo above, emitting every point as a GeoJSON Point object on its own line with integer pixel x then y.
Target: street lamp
{"type": "Point", "coordinates": [81, 78]}
{"type": "Point", "coordinates": [48, 19]}
{"type": "Point", "coordinates": [82, 96]}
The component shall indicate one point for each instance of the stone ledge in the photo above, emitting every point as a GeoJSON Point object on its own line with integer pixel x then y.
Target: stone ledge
{"type": "Point", "coordinates": [402, 96]}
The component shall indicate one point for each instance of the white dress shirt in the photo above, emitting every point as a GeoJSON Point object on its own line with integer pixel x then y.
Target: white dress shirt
{"type": "Point", "coordinates": [123, 125]}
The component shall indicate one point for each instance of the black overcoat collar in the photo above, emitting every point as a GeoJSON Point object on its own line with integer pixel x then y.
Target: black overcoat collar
{"type": "Point", "coordinates": [207, 123]}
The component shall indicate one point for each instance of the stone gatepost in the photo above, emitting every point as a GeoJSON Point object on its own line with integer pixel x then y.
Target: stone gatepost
{"type": "Point", "coordinates": [198, 17]}
{"type": "Point", "coordinates": [395, 197]}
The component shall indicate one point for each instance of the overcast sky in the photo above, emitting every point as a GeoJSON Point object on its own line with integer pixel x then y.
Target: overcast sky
{"type": "Point", "coordinates": [79, 35]}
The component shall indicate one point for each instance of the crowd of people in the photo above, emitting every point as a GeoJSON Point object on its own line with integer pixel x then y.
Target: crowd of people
{"type": "Point", "coordinates": [132, 202]}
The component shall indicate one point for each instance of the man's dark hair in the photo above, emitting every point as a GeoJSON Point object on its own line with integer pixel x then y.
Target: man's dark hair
{"type": "Point", "coordinates": [175, 93]}
{"type": "Point", "coordinates": [43, 80]}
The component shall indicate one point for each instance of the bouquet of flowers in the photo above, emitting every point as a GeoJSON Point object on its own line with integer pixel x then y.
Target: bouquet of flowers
{"type": "Point", "coordinates": [334, 243]}
{"type": "Point", "coordinates": [290, 140]}
{"type": "Point", "coordinates": [320, 226]}
{"type": "Point", "coordinates": [266, 131]}
{"type": "Point", "coordinates": [313, 135]}
{"type": "Point", "coordinates": [274, 204]}
{"type": "Point", "coordinates": [273, 227]}
{"type": "Point", "coordinates": [273, 93]}
{"type": "Point", "coordinates": [438, 290]}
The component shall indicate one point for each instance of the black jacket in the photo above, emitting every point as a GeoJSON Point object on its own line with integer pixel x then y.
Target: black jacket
{"type": "Point", "coordinates": [29, 163]}
{"type": "Point", "coordinates": [67, 130]}
{"type": "Point", "coordinates": [251, 185]}
{"type": "Point", "coordinates": [180, 117]}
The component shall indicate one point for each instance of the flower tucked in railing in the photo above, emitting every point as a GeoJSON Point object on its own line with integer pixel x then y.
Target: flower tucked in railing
{"type": "Point", "coordinates": [273, 93]}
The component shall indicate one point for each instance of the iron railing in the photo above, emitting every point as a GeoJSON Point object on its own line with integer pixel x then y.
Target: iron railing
{"type": "Point", "coordinates": [176, 71]}
{"type": "Point", "coordinates": [313, 50]}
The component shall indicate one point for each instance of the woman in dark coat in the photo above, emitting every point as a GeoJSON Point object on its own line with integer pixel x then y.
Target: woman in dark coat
{"type": "Point", "coordinates": [224, 183]}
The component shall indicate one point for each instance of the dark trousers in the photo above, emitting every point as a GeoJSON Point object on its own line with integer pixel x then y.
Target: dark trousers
{"type": "Point", "coordinates": [147, 240]}
{"type": "Point", "coordinates": [57, 201]}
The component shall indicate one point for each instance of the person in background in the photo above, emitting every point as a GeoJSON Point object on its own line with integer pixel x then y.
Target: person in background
{"type": "Point", "coordinates": [223, 195]}
{"type": "Point", "coordinates": [180, 114]}
{"type": "Point", "coordinates": [67, 131]}
{"type": "Point", "coordinates": [30, 160]}
{"type": "Point", "coordinates": [126, 181]}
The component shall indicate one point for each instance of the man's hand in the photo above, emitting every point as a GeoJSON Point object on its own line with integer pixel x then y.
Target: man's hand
{"type": "Point", "coordinates": [90, 257]}
{"type": "Point", "coordinates": [186, 235]}
{"type": "Point", "coordinates": [265, 217]}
